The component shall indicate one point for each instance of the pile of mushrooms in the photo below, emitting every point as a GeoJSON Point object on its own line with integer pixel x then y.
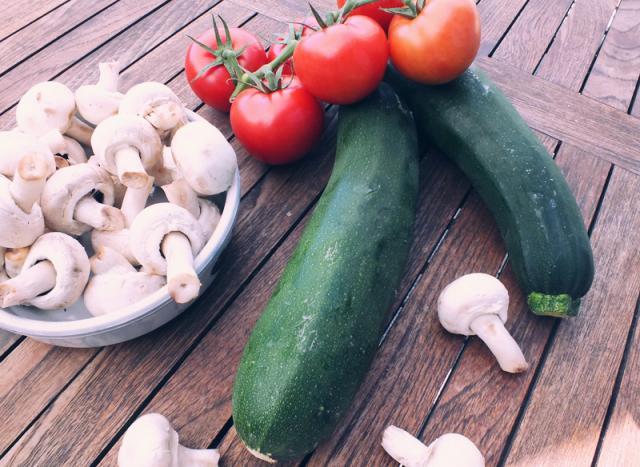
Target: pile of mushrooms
{"type": "Point", "coordinates": [79, 168]}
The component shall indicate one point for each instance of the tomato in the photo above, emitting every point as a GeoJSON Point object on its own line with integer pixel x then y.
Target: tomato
{"type": "Point", "coordinates": [310, 25]}
{"type": "Point", "coordinates": [343, 63]}
{"type": "Point", "coordinates": [438, 45]}
{"type": "Point", "coordinates": [215, 87]}
{"type": "Point", "coordinates": [374, 11]}
{"type": "Point", "coordinates": [277, 127]}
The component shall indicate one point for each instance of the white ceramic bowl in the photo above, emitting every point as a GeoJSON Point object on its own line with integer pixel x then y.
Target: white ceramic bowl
{"type": "Point", "coordinates": [76, 327]}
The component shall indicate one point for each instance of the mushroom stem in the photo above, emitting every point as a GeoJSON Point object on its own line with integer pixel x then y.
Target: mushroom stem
{"type": "Point", "coordinates": [108, 260]}
{"type": "Point", "coordinates": [80, 131]}
{"type": "Point", "coordinates": [404, 447]}
{"type": "Point", "coordinates": [491, 330]}
{"type": "Point", "coordinates": [134, 201]}
{"type": "Point", "coordinates": [35, 281]}
{"type": "Point", "coordinates": [28, 181]}
{"type": "Point", "coordinates": [182, 280]}
{"type": "Point", "coordinates": [14, 260]}
{"type": "Point", "coordinates": [179, 192]}
{"type": "Point", "coordinates": [109, 76]}
{"type": "Point", "coordinates": [97, 215]}
{"type": "Point", "coordinates": [130, 169]}
{"type": "Point", "coordinates": [198, 457]}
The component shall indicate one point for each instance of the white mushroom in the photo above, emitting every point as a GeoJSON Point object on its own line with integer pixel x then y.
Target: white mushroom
{"type": "Point", "coordinates": [165, 238]}
{"type": "Point", "coordinates": [14, 259]}
{"type": "Point", "coordinates": [207, 213]}
{"type": "Point", "coordinates": [116, 284]}
{"type": "Point", "coordinates": [167, 171]}
{"type": "Point", "coordinates": [67, 151]}
{"type": "Point", "coordinates": [51, 106]}
{"type": "Point", "coordinates": [15, 145]}
{"type": "Point", "coordinates": [156, 103]}
{"type": "Point", "coordinates": [128, 147]}
{"type": "Point", "coordinates": [478, 304]}
{"type": "Point", "coordinates": [69, 201]}
{"type": "Point", "coordinates": [204, 157]}
{"type": "Point", "coordinates": [97, 102]}
{"type": "Point", "coordinates": [151, 441]}
{"type": "Point", "coordinates": [134, 201]}
{"type": "Point", "coordinates": [449, 450]}
{"type": "Point", "coordinates": [53, 276]}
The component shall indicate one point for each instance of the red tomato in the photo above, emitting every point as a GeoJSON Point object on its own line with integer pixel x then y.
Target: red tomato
{"type": "Point", "coordinates": [215, 87]}
{"type": "Point", "coordinates": [277, 127]}
{"type": "Point", "coordinates": [343, 63]}
{"type": "Point", "coordinates": [438, 45]}
{"type": "Point", "coordinates": [374, 10]}
{"type": "Point", "coordinates": [276, 49]}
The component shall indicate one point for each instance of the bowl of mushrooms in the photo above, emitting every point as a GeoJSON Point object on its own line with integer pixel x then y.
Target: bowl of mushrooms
{"type": "Point", "coordinates": [114, 209]}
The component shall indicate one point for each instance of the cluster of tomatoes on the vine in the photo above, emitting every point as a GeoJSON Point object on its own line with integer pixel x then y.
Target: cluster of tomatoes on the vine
{"type": "Point", "coordinates": [274, 97]}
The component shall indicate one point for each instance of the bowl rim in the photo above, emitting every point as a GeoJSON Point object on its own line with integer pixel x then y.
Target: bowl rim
{"type": "Point", "coordinates": [150, 304]}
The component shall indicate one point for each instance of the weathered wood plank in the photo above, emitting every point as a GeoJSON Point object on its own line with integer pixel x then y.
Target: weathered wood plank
{"type": "Point", "coordinates": [575, 385]}
{"type": "Point", "coordinates": [19, 13]}
{"type": "Point", "coordinates": [285, 10]}
{"type": "Point", "coordinates": [7, 339]}
{"type": "Point", "coordinates": [46, 29]}
{"type": "Point", "coordinates": [495, 18]}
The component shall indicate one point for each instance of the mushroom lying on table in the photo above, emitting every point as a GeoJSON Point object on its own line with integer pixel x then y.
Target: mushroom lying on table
{"type": "Point", "coordinates": [449, 450]}
{"type": "Point", "coordinates": [478, 304]}
{"type": "Point", "coordinates": [97, 102]}
{"type": "Point", "coordinates": [127, 146]}
{"type": "Point", "coordinates": [206, 212]}
{"type": "Point", "coordinates": [54, 274]}
{"type": "Point", "coordinates": [51, 106]}
{"type": "Point", "coordinates": [157, 104]}
{"type": "Point", "coordinates": [116, 284]}
{"type": "Point", "coordinates": [204, 158]}
{"type": "Point", "coordinates": [69, 200]}
{"type": "Point", "coordinates": [134, 201]}
{"type": "Point", "coordinates": [165, 238]}
{"type": "Point", "coordinates": [151, 441]}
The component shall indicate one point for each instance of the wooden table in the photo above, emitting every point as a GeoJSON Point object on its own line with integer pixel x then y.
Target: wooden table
{"type": "Point", "coordinates": [571, 68]}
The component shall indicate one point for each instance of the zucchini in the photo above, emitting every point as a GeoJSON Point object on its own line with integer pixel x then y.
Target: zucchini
{"type": "Point", "coordinates": [317, 337]}
{"type": "Point", "coordinates": [476, 126]}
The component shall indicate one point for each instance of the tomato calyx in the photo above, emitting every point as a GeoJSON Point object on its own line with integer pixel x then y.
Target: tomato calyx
{"type": "Point", "coordinates": [224, 52]}
{"type": "Point", "coordinates": [411, 9]}
{"type": "Point", "coordinates": [338, 16]}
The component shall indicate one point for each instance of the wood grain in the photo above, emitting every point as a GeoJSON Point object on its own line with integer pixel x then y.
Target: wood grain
{"type": "Point", "coordinates": [286, 10]}
{"type": "Point", "coordinates": [17, 14]}
{"type": "Point", "coordinates": [495, 18]}
{"type": "Point", "coordinates": [7, 339]}
{"type": "Point", "coordinates": [47, 29]}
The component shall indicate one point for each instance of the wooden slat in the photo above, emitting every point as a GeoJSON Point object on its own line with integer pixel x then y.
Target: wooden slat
{"type": "Point", "coordinates": [7, 339]}
{"type": "Point", "coordinates": [17, 14]}
{"type": "Point", "coordinates": [563, 418]}
{"type": "Point", "coordinates": [46, 29]}
{"type": "Point", "coordinates": [495, 18]}
{"type": "Point", "coordinates": [286, 10]}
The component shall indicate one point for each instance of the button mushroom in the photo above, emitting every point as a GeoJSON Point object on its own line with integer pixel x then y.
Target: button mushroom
{"type": "Point", "coordinates": [134, 201]}
{"type": "Point", "coordinates": [151, 441]}
{"type": "Point", "coordinates": [179, 192]}
{"type": "Point", "coordinates": [127, 146]}
{"type": "Point", "coordinates": [67, 151]}
{"type": "Point", "coordinates": [156, 103]}
{"type": "Point", "coordinates": [15, 145]}
{"type": "Point", "coordinates": [51, 106]}
{"type": "Point", "coordinates": [14, 259]}
{"type": "Point", "coordinates": [164, 239]}
{"type": "Point", "coordinates": [477, 304]}
{"type": "Point", "coordinates": [69, 201]}
{"type": "Point", "coordinates": [97, 102]}
{"type": "Point", "coordinates": [204, 157]}
{"type": "Point", "coordinates": [449, 450]}
{"type": "Point", "coordinates": [53, 276]}
{"type": "Point", "coordinates": [116, 284]}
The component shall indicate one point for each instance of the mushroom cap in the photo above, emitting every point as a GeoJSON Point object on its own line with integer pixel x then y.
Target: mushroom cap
{"type": "Point", "coordinates": [151, 226]}
{"type": "Point", "coordinates": [150, 441]}
{"type": "Point", "coordinates": [18, 229]}
{"type": "Point", "coordinates": [71, 263]}
{"type": "Point", "coordinates": [66, 188]}
{"type": "Point", "coordinates": [209, 217]}
{"type": "Point", "coordinates": [113, 291]}
{"type": "Point", "coordinates": [156, 103]}
{"type": "Point", "coordinates": [205, 158]}
{"type": "Point", "coordinates": [454, 450]}
{"type": "Point", "coordinates": [117, 240]}
{"type": "Point", "coordinates": [126, 131]}
{"type": "Point", "coordinates": [471, 296]}
{"type": "Point", "coordinates": [14, 145]}
{"type": "Point", "coordinates": [46, 106]}
{"type": "Point", "coordinates": [97, 102]}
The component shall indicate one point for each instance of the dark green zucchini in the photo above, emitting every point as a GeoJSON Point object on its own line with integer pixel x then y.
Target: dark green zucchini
{"type": "Point", "coordinates": [476, 126]}
{"type": "Point", "coordinates": [315, 341]}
